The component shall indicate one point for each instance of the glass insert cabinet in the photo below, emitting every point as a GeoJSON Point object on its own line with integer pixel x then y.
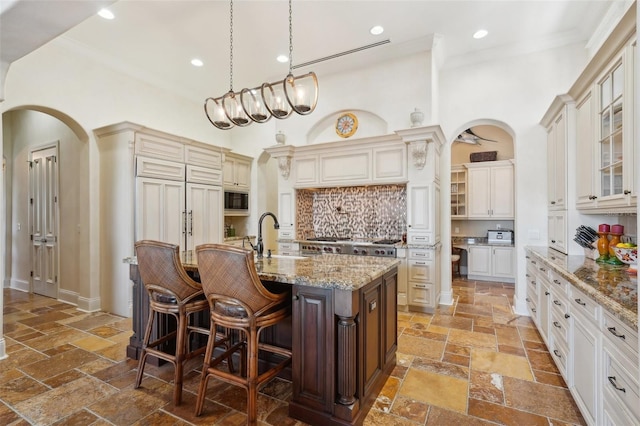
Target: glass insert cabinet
{"type": "Point", "coordinates": [458, 191]}
{"type": "Point", "coordinates": [611, 131]}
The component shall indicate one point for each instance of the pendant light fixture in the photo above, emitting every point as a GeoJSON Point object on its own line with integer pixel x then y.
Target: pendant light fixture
{"type": "Point", "coordinates": [278, 99]}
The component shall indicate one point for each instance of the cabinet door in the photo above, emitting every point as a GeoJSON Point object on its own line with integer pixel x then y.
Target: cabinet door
{"type": "Point", "coordinates": [242, 171]}
{"type": "Point", "coordinates": [480, 260]}
{"type": "Point", "coordinates": [371, 319]}
{"type": "Point", "coordinates": [502, 262]}
{"type": "Point", "coordinates": [204, 215]}
{"type": "Point", "coordinates": [557, 230]}
{"type": "Point", "coordinates": [479, 198]}
{"type": "Point", "coordinates": [584, 357]}
{"type": "Point", "coordinates": [544, 314]}
{"type": "Point", "coordinates": [286, 210]}
{"type": "Point", "coordinates": [420, 214]}
{"type": "Point", "coordinates": [160, 210]}
{"type": "Point", "coordinates": [585, 143]}
{"type": "Point", "coordinates": [557, 163]}
{"type": "Point", "coordinates": [502, 193]}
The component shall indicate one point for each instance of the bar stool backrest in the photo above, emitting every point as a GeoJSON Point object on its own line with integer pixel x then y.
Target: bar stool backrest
{"type": "Point", "coordinates": [229, 274]}
{"type": "Point", "coordinates": [162, 272]}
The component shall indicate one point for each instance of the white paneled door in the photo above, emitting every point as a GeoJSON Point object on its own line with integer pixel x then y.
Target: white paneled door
{"type": "Point", "coordinates": [43, 211]}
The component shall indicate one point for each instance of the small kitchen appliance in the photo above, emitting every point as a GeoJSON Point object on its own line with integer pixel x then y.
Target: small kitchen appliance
{"type": "Point", "coordinates": [500, 236]}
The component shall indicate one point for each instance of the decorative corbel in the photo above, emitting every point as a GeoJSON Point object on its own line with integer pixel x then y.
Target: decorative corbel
{"type": "Point", "coordinates": [284, 164]}
{"type": "Point", "coordinates": [419, 153]}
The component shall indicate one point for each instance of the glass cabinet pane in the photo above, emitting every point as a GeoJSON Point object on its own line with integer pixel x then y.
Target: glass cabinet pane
{"type": "Point", "coordinates": [606, 123]}
{"type": "Point", "coordinates": [618, 82]}
{"type": "Point", "coordinates": [617, 179]}
{"type": "Point", "coordinates": [605, 183]}
{"type": "Point", "coordinates": [617, 147]}
{"type": "Point", "coordinates": [605, 153]}
{"type": "Point", "coordinates": [605, 93]}
{"type": "Point", "coordinates": [617, 115]}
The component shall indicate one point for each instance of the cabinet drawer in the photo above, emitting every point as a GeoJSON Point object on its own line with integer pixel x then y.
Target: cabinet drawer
{"type": "Point", "coordinates": [420, 270]}
{"type": "Point", "coordinates": [560, 328]}
{"type": "Point", "coordinates": [559, 353]}
{"type": "Point", "coordinates": [421, 254]}
{"type": "Point", "coordinates": [622, 336]}
{"type": "Point", "coordinates": [532, 305]}
{"type": "Point", "coordinates": [559, 304]}
{"type": "Point", "coordinates": [583, 304]}
{"type": "Point", "coordinates": [419, 238]}
{"type": "Point", "coordinates": [287, 247]}
{"type": "Point", "coordinates": [203, 157]}
{"type": "Point", "coordinates": [421, 294]}
{"type": "Point", "coordinates": [159, 147]}
{"type": "Point", "coordinates": [559, 284]}
{"type": "Point", "coordinates": [532, 283]}
{"type": "Point", "coordinates": [620, 384]}
{"type": "Point", "coordinates": [160, 169]}
{"type": "Point", "coordinates": [532, 263]}
{"type": "Point", "coordinates": [196, 174]}
{"type": "Point", "coordinates": [286, 234]}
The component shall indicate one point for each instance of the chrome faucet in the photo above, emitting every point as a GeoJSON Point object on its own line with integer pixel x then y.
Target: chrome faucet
{"type": "Point", "coordinates": [259, 247]}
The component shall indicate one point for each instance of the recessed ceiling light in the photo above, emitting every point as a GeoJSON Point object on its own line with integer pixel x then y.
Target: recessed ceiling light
{"type": "Point", "coordinates": [480, 34]}
{"type": "Point", "coordinates": [197, 62]}
{"type": "Point", "coordinates": [282, 58]}
{"type": "Point", "coordinates": [106, 14]}
{"type": "Point", "coordinates": [377, 30]}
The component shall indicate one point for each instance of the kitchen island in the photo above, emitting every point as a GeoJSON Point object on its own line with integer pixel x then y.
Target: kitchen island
{"type": "Point", "coordinates": [343, 330]}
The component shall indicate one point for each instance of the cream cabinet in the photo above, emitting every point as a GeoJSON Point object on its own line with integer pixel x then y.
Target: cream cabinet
{"type": "Point", "coordinates": [606, 163]}
{"type": "Point", "coordinates": [421, 213]}
{"type": "Point", "coordinates": [160, 210]}
{"type": "Point", "coordinates": [557, 230]}
{"type": "Point", "coordinates": [596, 352]}
{"type": "Point", "coordinates": [491, 263]}
{"type": "Point", "coordinates": [423, 279]}
{"type": "Point", "coordinates": [458, 192]}
{"type": "Point", "coordinates": [557, 158]}
{"type": "Point", "coordinates": [491, 190]}
{"type": "Point", "coordinates": [236, 172]}
{"type": "Point", "coordinates": [287, 214]}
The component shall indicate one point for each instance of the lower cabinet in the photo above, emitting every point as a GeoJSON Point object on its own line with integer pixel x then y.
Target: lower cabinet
{"type": "Point", "coordinates": [596, 352]}
{"type": "Point", "coordinates": [491, 263]}
{"type": "Point", "coordinates": [423, 281]}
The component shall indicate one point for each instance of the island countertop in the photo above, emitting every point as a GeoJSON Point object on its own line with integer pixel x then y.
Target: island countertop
{"type": "Point", "coordinates": [610, 286]}
{"type": "Point", "coordinates": [340, 271]}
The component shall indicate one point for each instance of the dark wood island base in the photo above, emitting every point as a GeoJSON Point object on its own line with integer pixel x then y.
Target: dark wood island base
{"type": "Point", "coordinates": [343, 332]}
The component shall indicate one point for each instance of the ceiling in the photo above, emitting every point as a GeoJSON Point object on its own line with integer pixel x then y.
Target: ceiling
{"type": "Point", "coordinates": [155, 40]}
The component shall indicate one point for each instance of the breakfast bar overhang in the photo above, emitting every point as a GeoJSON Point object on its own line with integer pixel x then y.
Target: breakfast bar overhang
{"type": "Point", "coordinates": [343, 330]}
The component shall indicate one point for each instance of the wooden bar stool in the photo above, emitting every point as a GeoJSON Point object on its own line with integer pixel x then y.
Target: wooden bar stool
{"type": "Point", "coordinates": [171, 292]}
{"type": "Point", "coordinates": [238, 300]}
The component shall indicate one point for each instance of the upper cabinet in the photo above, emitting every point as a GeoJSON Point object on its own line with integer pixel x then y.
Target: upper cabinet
{"type": "Point", "coordinates": [557, 158]}
{"type": "Point", "coordinates": [490, 190]}
{"type": "Point", "coordinates": [236, 171]}
{"type": "Point", "coordinates": [458, 192]}
{"type": "Point", "coordinates": [605, 157]}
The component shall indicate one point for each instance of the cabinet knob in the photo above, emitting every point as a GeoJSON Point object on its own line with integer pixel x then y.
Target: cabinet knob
{"type": "Point", "coordinates": [627, 192]}
{"type": "Point", "coordinates": [553, 202]}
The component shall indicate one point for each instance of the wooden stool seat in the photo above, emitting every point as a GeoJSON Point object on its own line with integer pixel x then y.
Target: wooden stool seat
{"type": "Point", "coordinates": [455, 261]}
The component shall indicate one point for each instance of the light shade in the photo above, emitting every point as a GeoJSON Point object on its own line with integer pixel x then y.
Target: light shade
{"type": "Point", "coordinates": [275, 99]}
{"type": "Point", "coordinates": [254, 106]}
{"type": "Point", "coordinates": [302, 92]}
{"type": "Point", "coordinates": [233, 109]}
{"type": "Point", "coordinates": [215, 113]}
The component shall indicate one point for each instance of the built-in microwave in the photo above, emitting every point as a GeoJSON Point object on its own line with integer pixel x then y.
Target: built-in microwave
{"type": "Point", "coordinates": [236, 202]}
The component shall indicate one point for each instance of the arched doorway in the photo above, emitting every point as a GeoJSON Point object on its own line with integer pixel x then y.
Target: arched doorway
{"type": "Point", "coordinates": [25, 129]}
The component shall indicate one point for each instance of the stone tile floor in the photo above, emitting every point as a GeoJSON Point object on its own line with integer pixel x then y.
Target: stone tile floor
{"type": "Point", "coordinates": [475, 363]}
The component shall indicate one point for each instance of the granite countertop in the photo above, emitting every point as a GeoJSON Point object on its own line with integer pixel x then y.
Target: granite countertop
{"type": "Point", "coordinates": [609, 285]}
{"type": "Point", "coordinates": [476, 241]}
{"type": "Point", "coordinates": [340, 271]}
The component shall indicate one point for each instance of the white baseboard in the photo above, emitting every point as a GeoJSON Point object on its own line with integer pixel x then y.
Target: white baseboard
{"type": "Point", "coordinates": [446, 298]}
{"type": "Point", "coordinates": [7, 283]}
{"type": "Point", "coordinates": [67, 296]}
{"type": "Point", "coordinates": [89, 305]}
{"type": "Point", "coordinates": [3, 348]}
{"type": "Point", "coordinates": [520, 307]}
{"type": "Point", "coordinates": [20, 285]}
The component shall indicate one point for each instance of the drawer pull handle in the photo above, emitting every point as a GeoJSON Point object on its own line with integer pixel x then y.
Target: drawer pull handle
{"type": "Point", "coordinates": [546, 293]}
{"type": "Point", "coordinates": [534, 262]}
{"type": "Point", "coordinates": [533, 310]}
{"type": "Point", "coordinates": [527, 299]}
{"type": "Point", "coordinates": [613, 331]}
{"type": "Point", "coordinates": [555, 302]}
{"type": "Point", "coordinates": [580, 302]}
{"type": "Point", "coordinates": [557, 353]}
{"type": "Point", "coordinates": [542, 269]}
{"type": "Point", "coordinates": [567, 316]}
{"type": "Point", "coordinates": [557, 282]}
{"type": "Point", "coordinates": [612, 380]}
{"type": "Point", "coordinates": [527, 275]}
{"type": "Point", "coordinates": [533, 282]}
{"type": "Point", "coordinates": [556, 324]}
{"type": "Point", "coordinates": [420, 263]}
{"type": "Point", "coordinates": [421, 286]}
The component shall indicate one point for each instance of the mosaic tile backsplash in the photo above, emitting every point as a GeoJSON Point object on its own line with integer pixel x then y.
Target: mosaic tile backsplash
{"type": "Point", "coordinates": [357, 212]}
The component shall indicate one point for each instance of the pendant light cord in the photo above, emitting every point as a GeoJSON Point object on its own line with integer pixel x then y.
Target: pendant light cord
{"type": "Point", "coordinates": [231, 46]}
{"type": "Point", "coordinates": [290, 40]}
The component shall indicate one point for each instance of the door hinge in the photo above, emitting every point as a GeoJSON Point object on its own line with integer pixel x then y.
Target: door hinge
{"type": "Point", "coordinates": [31, 273]}
{"type": "Point", "coordinates": [55, 279]}
{"type": "Point", "coordinates": [31, 201]}
{"type": "Point", "coordinates": [31, 237]}
{"type": "Point", "coordinates": [55, 199]}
